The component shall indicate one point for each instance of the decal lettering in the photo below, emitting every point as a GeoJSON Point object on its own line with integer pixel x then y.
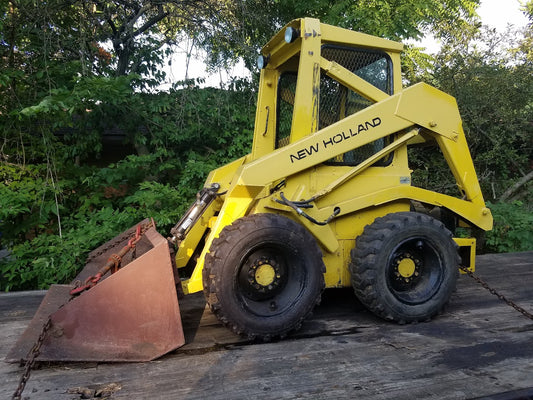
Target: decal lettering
{"type": "Point", "coordinates": [301, 154]}
{"type": "Point", "coordinates": [335, 139]}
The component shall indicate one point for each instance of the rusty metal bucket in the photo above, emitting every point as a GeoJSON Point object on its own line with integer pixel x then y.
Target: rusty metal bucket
{"type": "Point", "coordinates": [131, 315]}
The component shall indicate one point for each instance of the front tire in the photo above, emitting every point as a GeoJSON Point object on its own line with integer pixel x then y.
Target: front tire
{"type": "Point", "coordinates": [404, 267]}
{"type": "Point", "coordinates": [263, 275]}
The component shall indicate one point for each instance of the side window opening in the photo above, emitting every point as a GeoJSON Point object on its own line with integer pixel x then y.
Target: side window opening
{"type": "Point", "coordinates": [337, 101]}
{"type": "Point", "coordinates": [286, 94]}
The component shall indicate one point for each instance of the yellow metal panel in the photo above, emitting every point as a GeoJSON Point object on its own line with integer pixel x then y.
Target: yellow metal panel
{"type": "Point", "coordinates": [277, 44]}
{"type": "Point", "coordinates": [438, 113]}
{"type": "Point", "coordinates": [351, 225]}
{"type": "Point", "coordinates": [479, 216]}
{"type": "Point", "coordinates": [232, 209]}
{"type": "Point", "coordinates": [195, 234]}
{"type": "Point", "coordinates": [459, 160]}
{"type": "Point", "coordinates": [347, 230]}
{"type": "Point", "coordinates": [468, 247]}
{"type": "Point", "coordinates": [400, 158]}
{"type": "Point", "coordinates": [334, 34]}
{"type": "Point", "coordinates": [366, 126]}
{"type": "Point", "coordinates": [323, 233]}
{"type": "Point", "coordinates": [337, 271]}
{"type": "Point", "coordinates": [265, 116]}
{"type": "Point", "coordinates": [430, 108]}
{"type": "Point", "coordinates": [396, 72]}
{"type": "Point", "coordinates": [224, 174]}
{"type": "Point", "coordinates": [305, 114]}
{"type": "Point", "coordinates": [282, 55]}
{"type": "Point", "coordinates": [365, 164]}
{"type": "Point", "coordinates": [377, 178]}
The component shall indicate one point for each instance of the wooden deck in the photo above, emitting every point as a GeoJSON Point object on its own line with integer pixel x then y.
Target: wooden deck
{"type": "Point", "coordinates": [480, 348]}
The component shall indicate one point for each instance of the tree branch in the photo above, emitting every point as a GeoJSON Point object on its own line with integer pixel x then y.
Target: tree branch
{"type": "Point", "coordinates": [521, 182]}
{"type": "Point", "coordinates": [151, 22]}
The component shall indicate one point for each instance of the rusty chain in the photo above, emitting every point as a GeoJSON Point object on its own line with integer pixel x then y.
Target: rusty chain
{"type": "Point", "coordinates": [117, 240]}
{"type": "Point", "coordinates": [114, 261]}
{"type": "Point", "coordinates": [36, 349]}
{"type": "Point", "coordinates": [32, 355]}
{"type": "Point", "coordinates": [495, 293]}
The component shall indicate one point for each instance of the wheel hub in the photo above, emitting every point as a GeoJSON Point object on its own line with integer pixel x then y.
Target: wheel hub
{"type": "Point", "coordinates": [263, 278]}
{"type": "Point", "coordinates": [265, 274]}
{"type": "Point", "coordinates": [406, 267]}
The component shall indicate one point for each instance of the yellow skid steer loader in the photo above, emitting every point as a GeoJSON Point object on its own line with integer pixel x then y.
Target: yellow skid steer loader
{"type": "Point", "coordinates": [324, 200]}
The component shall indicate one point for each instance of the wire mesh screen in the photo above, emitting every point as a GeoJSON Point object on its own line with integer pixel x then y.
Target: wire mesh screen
{"type": "Point", "coordinates": [337, 101]}
{"type": "Point", "coordinates": [286, 93]}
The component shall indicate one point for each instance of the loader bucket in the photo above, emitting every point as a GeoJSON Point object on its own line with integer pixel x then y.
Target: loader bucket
{"type": "Point", "coordinates": [132, 315]}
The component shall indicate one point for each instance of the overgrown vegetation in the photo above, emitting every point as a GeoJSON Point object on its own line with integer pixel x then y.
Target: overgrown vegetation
{"type": "Point", "coordinates": [55, 211]}
{"type": "Point", "coordinates": [72, 71]}
{"type": "Point", "coordinates": [512, 228]}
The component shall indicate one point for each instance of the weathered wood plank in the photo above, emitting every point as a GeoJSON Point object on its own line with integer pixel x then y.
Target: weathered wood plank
{"type": "Point", "coordinates": [478, 347]}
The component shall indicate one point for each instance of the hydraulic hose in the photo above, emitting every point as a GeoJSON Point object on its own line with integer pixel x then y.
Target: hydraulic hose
{"type": "Point", "coordinates": [298, 205]}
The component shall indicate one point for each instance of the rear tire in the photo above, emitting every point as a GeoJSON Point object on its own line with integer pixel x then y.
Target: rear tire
{"type": "Point", "coordinates": [404, 267]}
{"type": "Point", "coordinates": [263, 275]}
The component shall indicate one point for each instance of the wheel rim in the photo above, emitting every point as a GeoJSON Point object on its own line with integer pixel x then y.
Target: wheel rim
{"type": "Point", "coordinates": [414, 271]}
{"type": "Point", "coordinates": [270, 279]}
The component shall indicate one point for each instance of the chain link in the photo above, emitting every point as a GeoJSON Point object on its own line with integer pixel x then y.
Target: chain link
{"type": "Point", "coordinates": [110, 245]}
{"type": "Point", "coordinates": [498, 295]}
{"type": "Point", "coordinates": [119, 239]}
{"type": "Point", "coordinates": [32, 355]}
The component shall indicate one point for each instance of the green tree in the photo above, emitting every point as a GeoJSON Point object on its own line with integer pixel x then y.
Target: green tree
{"type": "Point", "coordinates": [490, 76]}
{"type": "Point", "coordinates": [393, 19]}
{"type": "Point", "coordinates": [61, 88]}
{"type": "Point", "coordinates": [138, 30]}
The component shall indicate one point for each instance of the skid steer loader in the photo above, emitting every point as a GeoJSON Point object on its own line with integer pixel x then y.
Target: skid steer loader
{"type": "Point", "coordinates": [324, 200]}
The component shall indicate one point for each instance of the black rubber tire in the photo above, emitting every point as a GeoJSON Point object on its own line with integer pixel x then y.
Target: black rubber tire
{"type": "Point", "coordinates": [425, 288]}
{"type": "Point", "coordinates": [230, 280]}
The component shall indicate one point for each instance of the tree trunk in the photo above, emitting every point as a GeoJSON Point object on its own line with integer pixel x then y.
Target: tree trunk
{"type": "Point", "coordinates": [123, 61]}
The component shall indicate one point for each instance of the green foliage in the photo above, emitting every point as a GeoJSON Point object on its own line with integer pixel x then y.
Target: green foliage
{"type": "Point", "coordinates": [49, 258]}
{"type": "Point", "coordinates": [492, 83]}
{"type": "Point", "coordinates": [27, 200]}
{"type": "Point", "coordinates": [255, 21]}
{"type": "Point", "coordinates": [82, 112]}
{"type": "Point", "coordinates": [55, 212]}
{"type": "Point", "coordinates": [430, 170]}
{"type": "Point", "coordinates": [512, 228]}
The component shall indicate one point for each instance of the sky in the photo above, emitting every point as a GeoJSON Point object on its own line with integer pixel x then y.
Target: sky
{"type": "Point", "coordinates": [499, 13]}
{"type": "Point", "coordinates": [494, 13]}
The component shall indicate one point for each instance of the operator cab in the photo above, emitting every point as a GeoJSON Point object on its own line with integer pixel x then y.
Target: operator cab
{"type": "Point", "coordinates": [314, 75]}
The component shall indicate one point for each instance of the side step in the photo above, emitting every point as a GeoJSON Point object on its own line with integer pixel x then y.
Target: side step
{"type": "Point", "coordinates": [132, 315]}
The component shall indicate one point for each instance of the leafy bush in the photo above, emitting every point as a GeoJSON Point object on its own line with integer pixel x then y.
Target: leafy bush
{"type": "Point", "coordinates": [57, 208]}
{"type": "Point", "coordinates": [49, 258]}
{"type": "Point", "coordinates": [512, 230]}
